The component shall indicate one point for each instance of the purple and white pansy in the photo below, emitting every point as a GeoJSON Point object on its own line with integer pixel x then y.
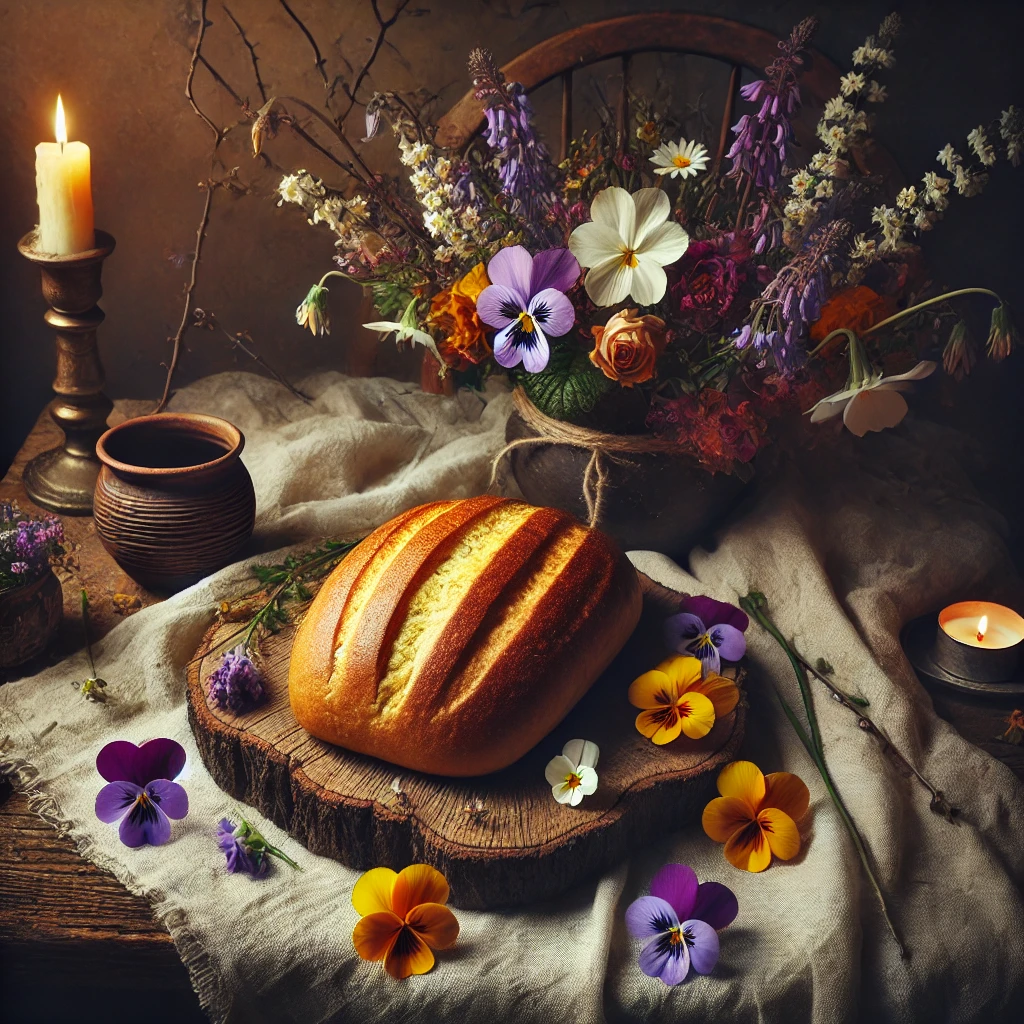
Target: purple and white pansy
{"type": "Point", "coordinates": [140, 791]}
{"type": "Point", "coordinates": [679, 922]}
{"type": "Point", "coordinates": [708, 629]}
{"type": "Point", "coordinates": [526, 302]}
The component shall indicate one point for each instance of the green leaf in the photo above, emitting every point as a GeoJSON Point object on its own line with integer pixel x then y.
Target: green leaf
{"type": "Point", "coordinates": [568, 387]}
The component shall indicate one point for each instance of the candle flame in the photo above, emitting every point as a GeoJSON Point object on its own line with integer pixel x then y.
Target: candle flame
{"type": "Point", "coordinates": [982, 627]}
{"type": "Point", "coordinates": [60, 126]}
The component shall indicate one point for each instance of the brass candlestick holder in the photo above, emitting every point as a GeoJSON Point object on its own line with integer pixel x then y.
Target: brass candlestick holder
{"type": "Point", "coordinates": [63, 479]}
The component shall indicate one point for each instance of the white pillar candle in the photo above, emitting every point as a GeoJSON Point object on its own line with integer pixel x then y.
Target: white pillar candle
{"type": "Point", "coordinates": [64, 193]}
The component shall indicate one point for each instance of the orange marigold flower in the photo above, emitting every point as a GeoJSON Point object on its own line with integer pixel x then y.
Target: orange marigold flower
{"type": "Point", "coordinates": [454, 312]}
{"type": "Point", "coordinates": [756, 815]}
{"type": "Point", "coordinates": [675, 699]}
{"type": "Point", "coordinates": [855, 308]}
{"type": "Point", "coordinates": [403, 917]}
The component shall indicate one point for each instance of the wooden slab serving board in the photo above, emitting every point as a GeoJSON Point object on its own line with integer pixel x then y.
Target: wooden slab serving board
{"type": "Point", "coordinates": [501, 839]}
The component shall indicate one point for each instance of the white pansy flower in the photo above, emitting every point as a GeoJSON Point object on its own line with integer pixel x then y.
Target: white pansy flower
{"type": "Point", "coordinates": [626, 245]}
{"type": "Point", "coordinates": [571, 775]}
{"type": "Point", "coordinates": [981, 146]}
{"type": "Point", "coordinates": [876, 92]}
{"type": "Point", "coordinates": [906, 198]}
{"type": "Point", "coordinates": [852, 83]}
{"type": "Point", "coordinates": [680, 159]}
{"type": "Point", "coordinates": [873, 403]}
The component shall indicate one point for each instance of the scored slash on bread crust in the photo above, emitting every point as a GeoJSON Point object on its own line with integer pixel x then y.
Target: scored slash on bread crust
{"type": "Point", "coordinates": [457, 635]}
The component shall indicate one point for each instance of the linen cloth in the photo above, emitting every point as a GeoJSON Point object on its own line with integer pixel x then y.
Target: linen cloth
{"type": "Point", "coordinates": [846, 550]}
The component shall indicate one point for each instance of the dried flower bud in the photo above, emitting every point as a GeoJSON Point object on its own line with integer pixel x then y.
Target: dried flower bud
{"type": "Point", "coordinates": [957, 357]}
{"type": "Point", "coordinates": [1003, 335]}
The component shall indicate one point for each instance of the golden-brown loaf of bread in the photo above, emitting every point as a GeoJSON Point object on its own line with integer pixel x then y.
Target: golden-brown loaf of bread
{"type": "Point", "coordinates": [459, 634]}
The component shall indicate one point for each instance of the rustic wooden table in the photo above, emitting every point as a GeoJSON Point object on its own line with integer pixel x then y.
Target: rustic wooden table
{"type": "Point", "coordinates": [76, 945]}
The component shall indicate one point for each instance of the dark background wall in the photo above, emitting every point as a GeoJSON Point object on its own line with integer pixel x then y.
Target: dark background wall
{"type": "Point", "coordinates": [121, 68]}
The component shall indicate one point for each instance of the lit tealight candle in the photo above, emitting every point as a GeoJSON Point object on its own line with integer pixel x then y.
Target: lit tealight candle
{"type": "Point", "coordinates": [979, 640]}
{"type": "Point", "coordinates": [64, 193]}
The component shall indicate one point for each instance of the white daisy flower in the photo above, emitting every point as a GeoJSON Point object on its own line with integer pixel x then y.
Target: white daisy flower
{"type": "Point", "coordinates": [852, 83]}
{"type": "Point", "coordinates": [906, 198]}
{"type": "Point", "coordinates": [799, 211]}
{"type": "Point", "coordinates": [836, 137]}
{"type": "Point", "coordinates": [571, 775]}
{"type": "Point", "coordinates": [443, 167]}
{"type": "Point", "coordinates": [824, 189]}
{"type": "Point", "coordinates": [680, 159]}
{"type": "Point", "coordinates": [626, 245]}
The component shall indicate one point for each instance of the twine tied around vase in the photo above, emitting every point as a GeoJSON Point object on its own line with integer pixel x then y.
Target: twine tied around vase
{"type": "Point", "coordinates": [604, 448]}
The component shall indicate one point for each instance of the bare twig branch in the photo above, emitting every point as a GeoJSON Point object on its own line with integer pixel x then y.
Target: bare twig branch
{"type": "Point", "coordinates": [383, 24]}
{"type": "Point", "coordinates": [184, 325]}
{"type": "Point", "coordinates": [251, 47]}
{"type": "Point", "coordinates": [192, 73]}
{"type": "Point", "coordinates": [220, 80]}
{"type": "Point", "coordinates": [319, 61]}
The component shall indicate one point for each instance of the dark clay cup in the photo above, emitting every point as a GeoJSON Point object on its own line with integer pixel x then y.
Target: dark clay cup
{"type": "Point", "coordinates": [173, 501]}
{"type": "Point", "coordinates": [654, 502]}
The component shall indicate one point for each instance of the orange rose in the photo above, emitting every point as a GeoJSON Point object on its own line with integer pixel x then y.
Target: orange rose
{"type": "Point", "coordinates": [628, 346]}
{"type": "Point", "coordinates": [856, 308]}
{"type": "Point", "coordinates": [454, 312]}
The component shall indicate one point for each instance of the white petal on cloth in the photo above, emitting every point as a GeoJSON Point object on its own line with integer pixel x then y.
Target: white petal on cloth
{"type": "Point", "coordinates": [614, 207]}
{"type": "Point", "coordinates": [513, 268]}
{"type": "Point", "coordinates": [874, 409]}
{"type": "Point", "coordinates": [594, 243]}
{"type": "Point", "coordinates": [609, 283]}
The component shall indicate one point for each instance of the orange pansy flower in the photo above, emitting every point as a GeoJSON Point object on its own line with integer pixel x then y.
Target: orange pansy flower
{"type": "Point", "coordinates": [403, 917]}
{"type": "Point", "coordinates": [675, 699]}
{"type": "Point", "coordinates": [756, 815]}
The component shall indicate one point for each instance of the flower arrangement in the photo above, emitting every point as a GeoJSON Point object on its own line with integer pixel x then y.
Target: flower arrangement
{"type": "Point", "coordinates": [26, 545]}
{"type": "Point", "coordinates": [643, 285]}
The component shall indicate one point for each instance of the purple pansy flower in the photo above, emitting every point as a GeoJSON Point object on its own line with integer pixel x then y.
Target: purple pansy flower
{"type": "Point", "coordinates": [679, 923]}
{"type": "Point", "coordinates": [526, 301]}
{"type": "Point", "coordinates": [708, 629]}
{"type": "Point", "coordinates": [139, 791]}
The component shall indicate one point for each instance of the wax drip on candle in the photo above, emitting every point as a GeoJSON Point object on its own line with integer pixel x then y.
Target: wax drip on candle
{"type": "Point", "coordinates": [60, 125]}
{"type": "Point", "coordinates": [982, 628]}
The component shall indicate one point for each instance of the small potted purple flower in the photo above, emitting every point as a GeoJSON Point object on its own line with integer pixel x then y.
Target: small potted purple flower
{"type": "Point", "coordinates": [31, 601]}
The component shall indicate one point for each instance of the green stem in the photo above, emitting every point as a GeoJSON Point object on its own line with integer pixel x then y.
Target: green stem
{"type": "Point", "coordinates": [812, 744]}
{"type": "Point", "coordinates": [905, 312]}
{"type": "Point", "coordinates": [332, 273]}
{"type": "Point", "coordinates": [85, 627]}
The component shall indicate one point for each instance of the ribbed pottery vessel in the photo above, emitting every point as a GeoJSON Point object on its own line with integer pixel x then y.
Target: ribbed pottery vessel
{"type": "Point", "coordinates": [173, 501]}
{"type": "Point", "coordinates": [29, 617]}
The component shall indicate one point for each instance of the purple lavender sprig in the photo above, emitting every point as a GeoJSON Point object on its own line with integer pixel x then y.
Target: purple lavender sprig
{"type": "Point", "coordinates": [793, 300]}
{"type": "Point", "coordinates": [236, 684]}
{"type": "Point", "coordinates": [524, 165]}
{"type": "Point", "coordinates": [762, 139]}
